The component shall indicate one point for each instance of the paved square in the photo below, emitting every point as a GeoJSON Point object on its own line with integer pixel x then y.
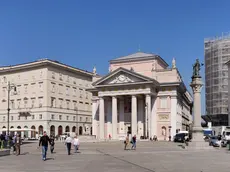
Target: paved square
{"type": "Point", "coordinates": [110, 157]}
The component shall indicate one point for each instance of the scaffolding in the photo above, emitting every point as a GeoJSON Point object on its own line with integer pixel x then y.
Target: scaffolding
{"type": "Point", "coordinates": [217, 53]}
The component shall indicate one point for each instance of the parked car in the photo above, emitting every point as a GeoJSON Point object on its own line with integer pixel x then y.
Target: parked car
{"type": "Point", "coordinates": [216, 141]}
{"type": "Point", "coordinates": [181, 137]}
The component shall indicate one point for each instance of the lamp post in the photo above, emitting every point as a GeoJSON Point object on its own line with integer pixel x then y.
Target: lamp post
{"type": "Point", "coordinates": [9, 88]}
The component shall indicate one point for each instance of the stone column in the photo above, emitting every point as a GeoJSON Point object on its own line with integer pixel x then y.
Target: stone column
{"type": "Point", "coordinates": [101, 119]}
{"type": "Point", "coordinates": [94, 116]}
{"type": "Point", "coordinates": [197, 129]}
{"type": "Point", "coordinates": [121, 118]}
{"type": "Point", "coordinates": [148, 111]}
{"type": "Point", "coordinates": [114, 117]}
{"type": "Point", "coordinates": [173, 115]}
{"type": "Point", "coordinates": [140, 118]}
{"type": "Point", "coordinates": [154, 117]}
{"type": "Point", "coordinates": [109, 118]}
{"type": "Point", "coordinates": [134, 116]}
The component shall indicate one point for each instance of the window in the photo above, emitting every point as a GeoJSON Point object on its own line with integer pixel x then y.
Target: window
{"type": "Point", "coordinates": [60, 103]}
{"type": "Point", "coordinates": [52, 87]}
{"type": "Point", "coordinates": [86, 119]}
{"type": "Point", "coordinates": [86, 95]}
{"type": "Point", "coordinates": [25, 103]}
{"type": "Point", "coordinates": [40, 101]}
{"type": "Point", "coordinates": [40, 85]}
{"type": "Point", "coordinates": [12, 118]}
{"type": "Point", "coordinates": [60, 117]}
{"type": "Point", "coordinates": [75, 105]}
{"type": "Point", "coordinates": [4, 91]}
{"type": "Point", "coordinates": [74, 92]}
{"type": "Point", "coordinates": [81, 92]}
{"type": "Point", "coordinates": [19, 103]}
{"type": "Point", "coordinates": [67, 90]}
{"type": "Point", "coordinates": [26, 88]}
{"type": "Point", "coordinates": [12, 104]}
{"type": "Point", "coordinates": [60, 76]}
{"type": "Point", "coordinates": [33, 88]}
{"type": "Point", "coordinates": [67, 118]}
{"type": "Point", "coordinates": [25, 117]}
{"type": "Point", "coordinates": [53, 102]}
{"type": "Point", "coordinates": [53, 75]}
{"type": "Point", "coordinates": [32, 102]}
{"type": "Point", "coordinates": [18, 89]}
{"type": "Point", "coordinates": [80, 119]}
{"type": "Point", "coordinates": [32, 116]}
{"type": "Point", "coordinates": [67, 104]}
{"type": "Point", "coordinates": [52, 116]}
{"type": "Point", "coordinates": [60, 88]}
{"type": "Point", "coordinates": [163, 102]}
{"type": "Point", "coordinates": [4, 118]}
{"type": "Point", "coordinates": [74, 118]}
{"type": "Point", "coordinates": [40, 116]}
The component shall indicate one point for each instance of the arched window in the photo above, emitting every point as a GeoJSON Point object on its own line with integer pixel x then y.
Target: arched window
{"type": "Point", "coordinates": [60, 130]}
{"type": "Point", "coordinates": [80, 130]}
{"type": "Point", "coordinates": [67, 129]}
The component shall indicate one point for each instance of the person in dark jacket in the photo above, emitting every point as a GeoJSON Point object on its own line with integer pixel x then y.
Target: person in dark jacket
{"type": "Point", "coordinates": [52, 144]}
{"type": "Point", "coordinates": [44, 141]}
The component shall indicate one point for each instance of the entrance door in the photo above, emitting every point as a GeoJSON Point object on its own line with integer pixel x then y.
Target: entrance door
{"type": "Point", "coordinates": [129, 130]}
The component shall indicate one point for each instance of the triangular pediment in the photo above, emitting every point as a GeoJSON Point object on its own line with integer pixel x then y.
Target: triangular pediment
{"type": "Point", "coordinates": [122, 76]}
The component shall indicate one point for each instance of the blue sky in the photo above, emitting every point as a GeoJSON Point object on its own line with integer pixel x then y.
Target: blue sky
{"type": "Point", "coordinates": [86, 33]}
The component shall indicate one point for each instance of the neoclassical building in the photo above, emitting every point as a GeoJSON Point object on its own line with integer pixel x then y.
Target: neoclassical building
{"type": "Point", "coordinates": [141, 95]}
{"type": "Point", "coordinates": [49, 96]}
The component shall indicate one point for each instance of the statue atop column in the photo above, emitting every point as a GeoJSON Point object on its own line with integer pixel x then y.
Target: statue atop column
{"type": "Point", "coordinates": [196, 69]}
{"type": "Point", "coordinates": [94, 70]}
{"type": "Point", "coordinates": [173, 63]}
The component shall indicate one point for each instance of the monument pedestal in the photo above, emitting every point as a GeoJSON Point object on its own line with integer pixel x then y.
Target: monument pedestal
{"type": "Point", "coordinates": [198, 142]}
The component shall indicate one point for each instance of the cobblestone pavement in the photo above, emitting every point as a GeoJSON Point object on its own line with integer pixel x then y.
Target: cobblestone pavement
{"type": "Point", "coordinates": [110, 157]}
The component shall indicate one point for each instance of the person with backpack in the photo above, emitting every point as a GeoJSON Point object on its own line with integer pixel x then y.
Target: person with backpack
{"type": "Point", "coordinates": [52, 143]}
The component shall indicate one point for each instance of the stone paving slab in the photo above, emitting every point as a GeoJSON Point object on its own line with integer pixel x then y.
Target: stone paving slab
{"type": "Point", "coordinates": [110, 157]}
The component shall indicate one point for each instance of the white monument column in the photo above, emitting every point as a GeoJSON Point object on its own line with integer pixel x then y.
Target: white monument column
{"type": "Point", "coordinates": [101, 118]}
{"type": "Point", "coordinates": [114, 117]}
{"type": "Point", "coordinates": [134, 116]}
{"type": "Point", "coordinates": [140, 118]}
{"type": "Point", "coordinates": [94, 117]}
{"type": "Point", "coordinates": [109, 118]}
{"type": "Point", "coordinates": [148, 111]}
{"type": "Point", "coordinates": [154, 117]}
{"type": "Point", "coordinates": [173, 115]}
{"type": "Point", "coordinates": [121, 118]}
{"type": "Point", "coordinates": [197, 135]}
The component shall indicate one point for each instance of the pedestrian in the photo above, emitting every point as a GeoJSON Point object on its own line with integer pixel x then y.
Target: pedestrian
{"type": "Point", "coordinates": [44, 140]}
{"type": "Point", "coordinates": [14, 143]}
{"type": "Point", "coordinates": [52, 143]}
{"type": "Point", "coordinates": [18, 142]}
{"type": "Point", "coordinates": [134, 142]}
{"type": "Point", "coordinates": [76, 144]}
{"type": "Point", "coordinates": [68, 142]}
{"type": "Point", "coordinates": [126, 142]}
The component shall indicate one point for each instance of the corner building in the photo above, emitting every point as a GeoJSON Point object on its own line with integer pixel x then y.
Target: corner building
{"type": "Point", "coordinates": [140, 96]}
{"type": "Point", "coordinates": [50, 96]}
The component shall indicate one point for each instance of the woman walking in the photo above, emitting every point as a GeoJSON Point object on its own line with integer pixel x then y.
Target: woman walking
{"type": "Point", "coordinates": [126, 142]}
{"type": "Point", "coordinates": [76, 144]}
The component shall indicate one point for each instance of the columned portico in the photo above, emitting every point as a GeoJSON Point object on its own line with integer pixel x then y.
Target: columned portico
{"type": "Point", "coordinates": [114, 117]}
{"type": "Point", "coordinates": [109, 118]}
{"type": "Point", "coordinates": [140, 117]}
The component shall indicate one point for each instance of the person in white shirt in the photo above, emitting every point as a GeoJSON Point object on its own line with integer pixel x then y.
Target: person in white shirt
{"type": "Point", "coordinates": [68, 142]}
{"type": "Point", "coordinates": [76, 143]}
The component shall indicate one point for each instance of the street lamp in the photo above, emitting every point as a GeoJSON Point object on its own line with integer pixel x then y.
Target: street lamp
{"type": "Point", "coordinates": [9, 88]}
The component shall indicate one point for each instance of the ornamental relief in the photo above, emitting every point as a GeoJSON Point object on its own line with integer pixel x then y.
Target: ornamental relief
{"type": "Point", "coordinates": [121, 79]}
{"type": "Point", "coordinates": [163, 117]}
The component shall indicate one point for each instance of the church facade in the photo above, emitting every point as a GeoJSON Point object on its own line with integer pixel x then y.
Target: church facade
{"type": "Point", "coordinates": [141, 95]}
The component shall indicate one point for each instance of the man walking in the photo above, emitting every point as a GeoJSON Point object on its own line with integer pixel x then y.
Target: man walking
{"type": "Point", "coordinates": [68, 142]}
{"type": "Point", "coordinates": [18, 142]}
{"type": "Point", "coordinates": [44, 140]}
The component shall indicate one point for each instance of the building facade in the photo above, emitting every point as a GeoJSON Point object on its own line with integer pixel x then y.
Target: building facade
{"type": "Point", "coordinates": [140, 96]}
{"type": "Point", "coordinates": [217, 53]}
{"type": "Point", "coordinates": [49, 96]}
